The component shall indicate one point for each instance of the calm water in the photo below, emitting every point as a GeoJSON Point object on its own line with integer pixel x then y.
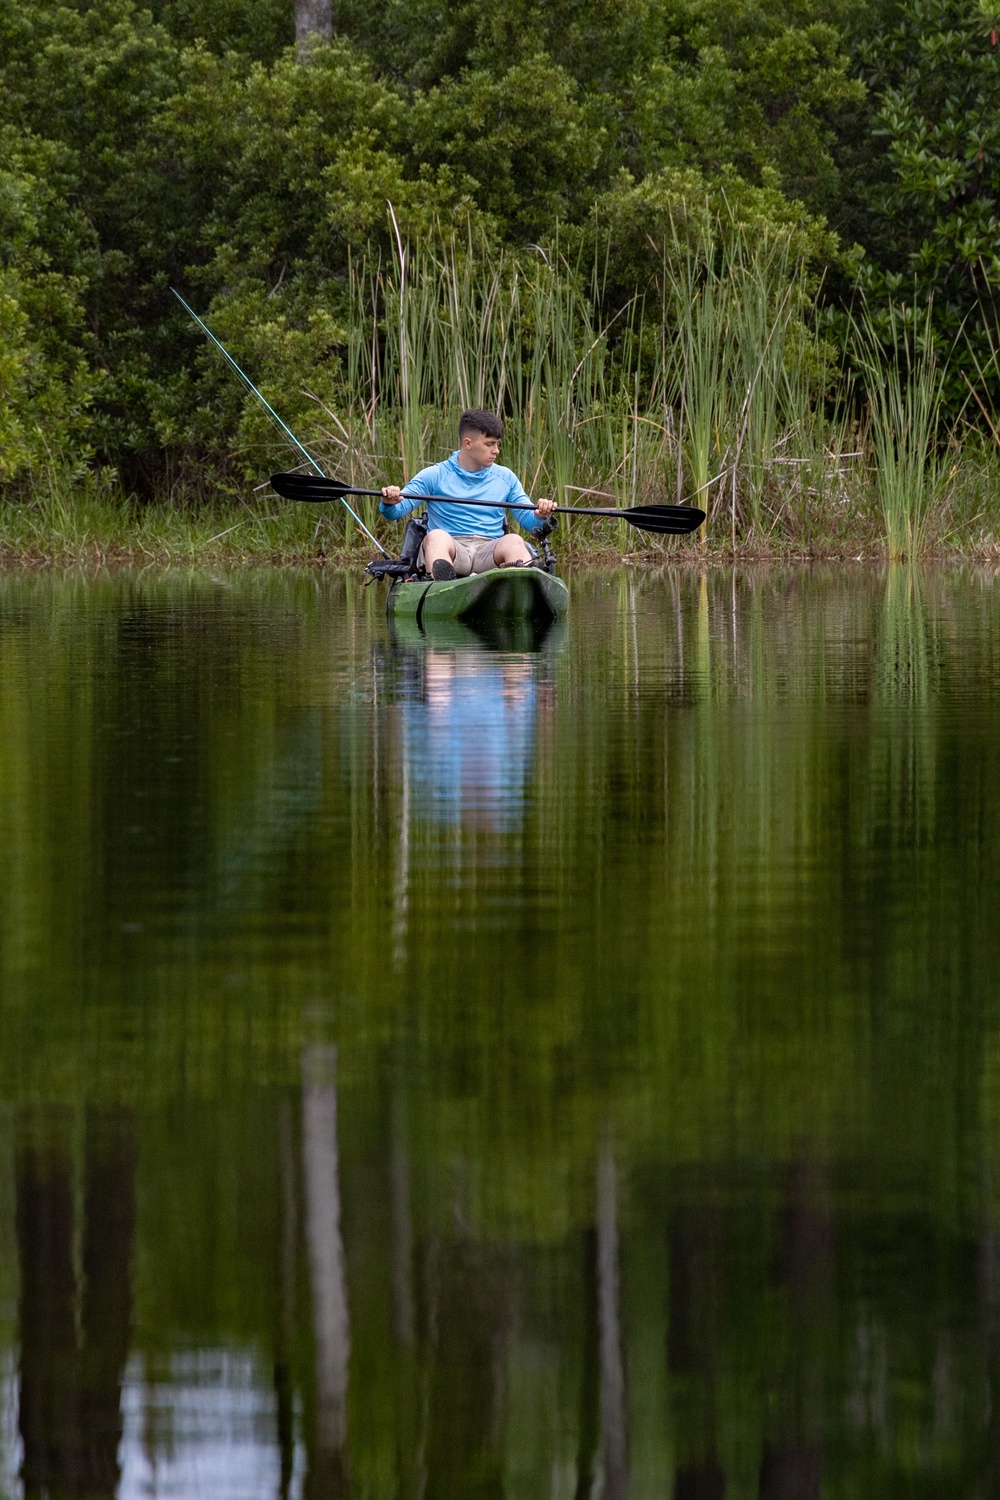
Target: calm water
{"type": "Point", "coordinates": [437, 1071]}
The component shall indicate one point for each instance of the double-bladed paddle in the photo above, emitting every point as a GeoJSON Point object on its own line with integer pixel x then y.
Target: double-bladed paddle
{"type": "Point", "coordinates": [666, 520]}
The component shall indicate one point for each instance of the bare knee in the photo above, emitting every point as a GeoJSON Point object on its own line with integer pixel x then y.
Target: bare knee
{"type": "Point", "coordinates": [439, 544]}
{"type": "Point", "coordinates": [511, 549]}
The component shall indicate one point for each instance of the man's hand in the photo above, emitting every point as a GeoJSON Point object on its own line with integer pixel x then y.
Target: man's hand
{"type": "Point", "coordinates": [543, 508]}
{"type": "Point", "coordinates": [392, 494]}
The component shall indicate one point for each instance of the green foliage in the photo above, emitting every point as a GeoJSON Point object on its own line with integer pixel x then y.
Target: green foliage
{"type": "Point", "coordinates": [931, 196]}
{"type": "Point", "coordinates": [46, 385]}
{"type": "Point", "coordinates": [89, 81]}
{"type": "Point", "coordinates": [187, 147]}
{"type": "Point", "coordinates": [632, 221]}
{"type": "Point", "coordinates": [261, 29]}
{"type": "Point", "coordinates": [667, 83]}
{"type": "Point", "coordinates": [485, 125]}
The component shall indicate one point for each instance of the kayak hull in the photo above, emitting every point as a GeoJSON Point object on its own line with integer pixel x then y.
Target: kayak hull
{"type": "Point", "coordinates": [500, 595]}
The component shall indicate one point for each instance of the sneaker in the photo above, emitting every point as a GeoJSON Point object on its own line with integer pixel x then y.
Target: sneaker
{"type": "Point", "coordinates": [442, 571]}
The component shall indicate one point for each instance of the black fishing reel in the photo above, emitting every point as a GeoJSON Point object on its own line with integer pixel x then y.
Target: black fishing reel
{"type": "Point", "coordinates": [542, 535]}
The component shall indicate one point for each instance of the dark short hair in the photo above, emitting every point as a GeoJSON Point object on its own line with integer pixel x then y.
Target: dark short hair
{"type": "Point", "coordinates": [486, 422]}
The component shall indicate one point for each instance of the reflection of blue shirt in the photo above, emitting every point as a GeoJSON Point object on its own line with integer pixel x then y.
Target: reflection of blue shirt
{"type": "Point", "coordinates": [469, 746]}
{"type": "Point", "coordinates": [449, 478]}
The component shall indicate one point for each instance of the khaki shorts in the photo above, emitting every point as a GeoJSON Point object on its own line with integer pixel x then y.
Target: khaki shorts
{"type": "Point", "coordinates": [473, 554]}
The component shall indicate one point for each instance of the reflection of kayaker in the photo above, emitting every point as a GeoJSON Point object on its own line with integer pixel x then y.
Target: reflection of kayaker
{"type": "Point", "coordinates": [468, 737]}
{"type": "Point", "coordinates": [463, 539]}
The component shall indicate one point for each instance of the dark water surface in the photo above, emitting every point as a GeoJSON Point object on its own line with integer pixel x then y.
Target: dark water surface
{"type": "Point", "coordinates": [431, 1071]}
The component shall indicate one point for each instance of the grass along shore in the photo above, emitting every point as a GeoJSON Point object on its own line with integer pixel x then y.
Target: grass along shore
{"type": "Point", "coordinates": [714, 387]}
{"type": "Point", "coordinates": [92, 524]}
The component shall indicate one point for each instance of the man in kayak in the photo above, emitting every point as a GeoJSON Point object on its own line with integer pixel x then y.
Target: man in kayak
{"type": "Point", "coordinates": [464, 539]}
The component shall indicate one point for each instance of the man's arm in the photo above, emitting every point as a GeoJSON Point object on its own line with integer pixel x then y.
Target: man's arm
{"type": "Point", "coordinates": [532, 516]}
{"type": "Point", "coordinates": [395, 508]}
{"type": "Point", "coordinates": [392, 506]}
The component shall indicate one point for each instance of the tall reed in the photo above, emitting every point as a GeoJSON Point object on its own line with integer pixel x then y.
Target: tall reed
{"type": "Point", "coordinates": [738, 306]}
{"type": "Point", "coordinates": [710, 387]}
{"type": "Point", "coordinates": [703, 354]}
{"type": "Point", "coordinates": [905, 389]}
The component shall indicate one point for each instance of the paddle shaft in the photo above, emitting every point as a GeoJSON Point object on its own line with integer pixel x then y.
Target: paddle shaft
{"type": "Point", "coordinates": [563, 510]}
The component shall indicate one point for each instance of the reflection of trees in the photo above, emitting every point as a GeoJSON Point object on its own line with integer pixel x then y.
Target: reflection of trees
{"type": "Point", "coordinates": [791, 1471]}
{"type": "Point", "coordinates": [285, 1329]}
{"type": "Point", "coordinates": [700, 1481]}
{"type": "Point", "coordinates": [989, 1299]}
{"type": "Point", "coordinates": [694, 1342]}
{"type": "Point", "coordinates": [714, 1285]}
{"type": "Point", "coordinates": [271, 805]}
{"type": "Point", "coordinates": [401, 1224]}
{"type": "Point", "coordinates": [602, 1417]}
{"type": "Point", "coordinates": [70, 1408]}
{"type": "Point", "coordinates": [468, 1348]}
{"type": "Point", "coordinates": [784, 848]}
{"type": "Point", "coordinates": [588, 1411]}
{"type": "Point", "coordinates": [408, 1384]}
{"type": "Point", "coordinates": [328, 1473]}
{"type": "Point", "coordinates": [49, 1412]}
{"type": "Point", "coordinates": [792, 1461]}
{"type": "Point", "coordinates": [614, 1446]}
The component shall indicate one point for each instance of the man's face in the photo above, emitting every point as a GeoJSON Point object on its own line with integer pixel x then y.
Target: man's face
{"type": "Point", "coordinates": [479, 450]}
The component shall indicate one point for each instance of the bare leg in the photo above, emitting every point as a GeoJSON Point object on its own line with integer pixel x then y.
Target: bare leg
{"type": "Point", "coordinates": [509, 549]}
{"type": "Point", "coordinates": [439, 546]}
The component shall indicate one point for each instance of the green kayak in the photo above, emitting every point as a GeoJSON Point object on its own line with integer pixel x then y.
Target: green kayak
{"type": "Point", "coordinates": [502, 594]}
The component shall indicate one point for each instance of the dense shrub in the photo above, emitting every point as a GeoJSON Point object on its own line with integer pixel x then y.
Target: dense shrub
{"type": "Point", "coordinates": [186, 146]}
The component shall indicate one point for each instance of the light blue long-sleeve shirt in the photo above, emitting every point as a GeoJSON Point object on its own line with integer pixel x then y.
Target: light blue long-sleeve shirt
{"type": "Point", "coordinates": [449, 478]}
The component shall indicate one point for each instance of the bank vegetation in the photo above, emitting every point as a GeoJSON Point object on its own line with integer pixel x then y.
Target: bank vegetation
{"type": "Point", "coordinates": [743, 258]}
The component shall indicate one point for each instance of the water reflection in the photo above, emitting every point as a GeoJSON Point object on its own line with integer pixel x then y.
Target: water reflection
{"type": "Point", "coordinates": [463, 713]}
{"type": "Point", "coordinates": [70, 1420]}
{"type": "Point", "coordinates": [468, 731]}
{"type": "Point", "coordinates": [201, 1423]}
{"type": "Point", "coordinates": [328, 1473]}
{"type": "Point", "coordinates": [614, 1439]}
{"type": "Point", "coordinates": [287, 1285]}
{"type": "Point", "coordinates": [439, 1070]}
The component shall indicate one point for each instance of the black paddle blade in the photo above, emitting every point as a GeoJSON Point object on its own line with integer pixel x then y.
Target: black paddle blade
{"type": "Point", "coordinates": [311, 487]}
{"type": "Point", "coordinates": [666, 520]}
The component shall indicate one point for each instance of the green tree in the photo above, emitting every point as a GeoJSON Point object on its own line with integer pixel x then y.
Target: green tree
{"type": "Point", "coordinates": [46, 386]}
{"type": "Point", "coordinates": [191, 149]}
{"type": "Point", "coordinates": [928, 207]}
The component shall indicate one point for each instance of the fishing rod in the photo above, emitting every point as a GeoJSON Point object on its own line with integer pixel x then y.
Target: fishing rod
{"type": "Point", "coordinates": [274, 416]}
{"type": "Point", "coordinates": [664, 520]}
